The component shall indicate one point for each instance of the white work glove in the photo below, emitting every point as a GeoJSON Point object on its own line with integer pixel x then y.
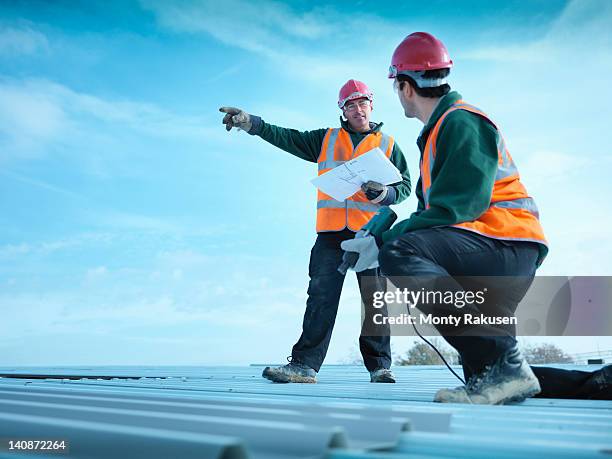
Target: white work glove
{"type": "Point", "coordinates": [375, 191]}
{"type": "Point", "coordinates": [349, 259]}
{"type": "Point", "coordinates": [367, 249]}
{"type": "Point", "coordinates": [237, 118]}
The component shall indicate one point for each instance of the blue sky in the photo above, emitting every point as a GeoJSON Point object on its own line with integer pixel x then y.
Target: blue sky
{"type": "Point", "coordinates": [135, 230]}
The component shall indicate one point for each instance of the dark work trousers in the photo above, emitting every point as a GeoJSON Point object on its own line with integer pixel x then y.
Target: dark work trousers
{"type": "Point", "coordinates": [322, 306]}
{"type": "Point", "coordinates": [451, 253]}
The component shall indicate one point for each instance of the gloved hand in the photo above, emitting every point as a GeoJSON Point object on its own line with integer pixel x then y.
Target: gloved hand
{"type": "Point", "coordinates": [237, 118]}
{"type": "Point", "coordinates": [366, 248]}
{"type": "Point", "coordinates": [349, 259]}
{"type": "Point", "coordinates": [375, 191]}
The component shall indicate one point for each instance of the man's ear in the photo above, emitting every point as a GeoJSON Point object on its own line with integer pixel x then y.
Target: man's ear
{"type": "Point", "coordinates": [407, 89]}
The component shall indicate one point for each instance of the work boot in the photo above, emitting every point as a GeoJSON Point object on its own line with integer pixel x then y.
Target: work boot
{"type": "Point", "coordinates": [293, 372]}
{"type": "Point", "coordinates": [509, 379]}
{"type": "Point", "coordinates": [382, 375]}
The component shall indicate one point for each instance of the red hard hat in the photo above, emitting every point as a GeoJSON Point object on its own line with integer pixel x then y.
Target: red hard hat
{"type": "Point", "coordinates": [353, 89]}
{"type": "Point", "coordinates": [419, 51]}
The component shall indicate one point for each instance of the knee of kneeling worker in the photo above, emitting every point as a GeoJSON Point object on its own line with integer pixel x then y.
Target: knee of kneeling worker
{"type": "Point", "coordinates": [392, 253]}
{"type": "Point", "coordinates": [404, 251]}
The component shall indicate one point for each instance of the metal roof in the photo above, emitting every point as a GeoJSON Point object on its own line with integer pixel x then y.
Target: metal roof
{"type": "Point", "coordinates": [231, 412]}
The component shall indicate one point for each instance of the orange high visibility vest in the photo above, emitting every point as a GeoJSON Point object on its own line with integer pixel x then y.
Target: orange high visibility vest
{"type": "Point", "coordinates": [512, 214]}
{"type": "Point", "coordinates": [356, 211]}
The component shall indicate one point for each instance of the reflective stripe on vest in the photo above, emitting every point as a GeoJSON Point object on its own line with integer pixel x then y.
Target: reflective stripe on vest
{"type": "Point", "coordinates": [333, 204]}
{"type": "Point", "coordinates": [522, 203]}
{"type": "Point", "coordinates": [512, 214]}
{"type": "Point", "coordinates": [330, 164]}
{"type": "Point", "coordinates": [356, 211]}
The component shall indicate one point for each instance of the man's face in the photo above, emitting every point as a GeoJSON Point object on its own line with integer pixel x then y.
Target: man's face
{"type": "Point", "coordinates": [357, 112]}
{"type": "Point", "coordinates": [406, 97]}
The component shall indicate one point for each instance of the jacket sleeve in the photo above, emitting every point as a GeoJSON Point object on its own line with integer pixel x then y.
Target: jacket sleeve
{"type": "Point", "coordinates": [400, 189]}
{"type": "Point", "coordinates": [463, 175]}
{"type": "Point", "coordinates": [305, 145]}
{"type": "Point", "coordinates": [418, 191]}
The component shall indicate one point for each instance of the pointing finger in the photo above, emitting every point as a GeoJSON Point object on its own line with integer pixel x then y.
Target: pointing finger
{"type": "Point", "coordinates": [232, 110]}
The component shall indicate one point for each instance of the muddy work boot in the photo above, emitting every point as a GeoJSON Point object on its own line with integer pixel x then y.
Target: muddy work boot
{"type": "Point", "coordinates": [509, 379]}
{"type": "Point", "coordinates": [382, 375]}
{"type": "Point", "coordinates": [293, 372]}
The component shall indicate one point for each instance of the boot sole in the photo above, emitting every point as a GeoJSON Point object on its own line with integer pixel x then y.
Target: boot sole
{"type": "Point", "coordinates": [522, 397]}
{"type": "Point", "coordinates": [524, 394]}
{"type": "Point", "coordinates": [384, 380]}
{"type": "Point", "coordinates": [290, 379]}
{"type": "Point", "coordinates": [269, 374]}
{"type": "Point", "coordinates": [464, 398]}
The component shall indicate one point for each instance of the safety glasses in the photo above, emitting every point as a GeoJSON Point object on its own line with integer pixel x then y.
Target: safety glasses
{"type": "Point", "coordinates": [352, 106]}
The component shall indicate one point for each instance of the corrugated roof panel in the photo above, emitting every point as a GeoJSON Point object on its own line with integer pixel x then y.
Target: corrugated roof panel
{"type": "Point", "coordinates": [233, 412]}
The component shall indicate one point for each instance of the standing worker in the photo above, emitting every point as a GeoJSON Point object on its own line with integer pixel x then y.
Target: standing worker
{"type": "Point", "coordinates": [474, 218]}
{"type": "Point", "coordinates": [337, 221]}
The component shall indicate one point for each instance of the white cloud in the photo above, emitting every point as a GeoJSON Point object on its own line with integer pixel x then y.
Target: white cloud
{"type": "Point", "coordinates": [28, 119]}
{"type": "Point", "coordinates": [232, 70]}
{"type": "Point", "coordinates": [38, 114]}
{"type": "Point", "coordinates": [581, 34]}
{"type": "Point", "coordinates": [141, 116]}
{"type": "Point", "coordinates": [40, 184]}
{"type": "Point", "coordinates": [532, 54]}
{"type": "Point", "coordinates": [96, 273]}
{"type": "Point", "coordinates": [46, 248]}
{"type": "Point", "coordinates": [181, 288]}
{"type": "Point", "coordinates": [317, 46]}
{"type": "Point", "coordinates": [34, 312]}
{"type": "Point", "coordinates": [14, 250]}
{"type": "Point", "coordinates": [184, 258]}
{"type": "Point", "coordinates": [134, 230]}
{"type": "Point", "coordinates": [114, 220]}
{"type": "Point", "coordinates": [544, 167]}
{"type": "Point", "coordinates": [584, 25]}
{"type": "Point", "coordinates": [22, 40]}
{"type": "Point", "coordinates": [263, 27]}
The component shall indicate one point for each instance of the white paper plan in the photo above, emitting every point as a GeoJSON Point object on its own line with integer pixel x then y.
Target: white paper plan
{"type": "Point", "coordinates": [345, 180]}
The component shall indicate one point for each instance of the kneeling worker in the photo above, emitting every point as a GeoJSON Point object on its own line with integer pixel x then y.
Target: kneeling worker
{"type": "Point", "coordinates": [474, 218]}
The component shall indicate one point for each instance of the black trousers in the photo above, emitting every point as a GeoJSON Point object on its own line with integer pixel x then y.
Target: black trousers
{"type": "Point", "coordinates": [324, 292]}
{"type": "Point", "coordinates": [449, 253]}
